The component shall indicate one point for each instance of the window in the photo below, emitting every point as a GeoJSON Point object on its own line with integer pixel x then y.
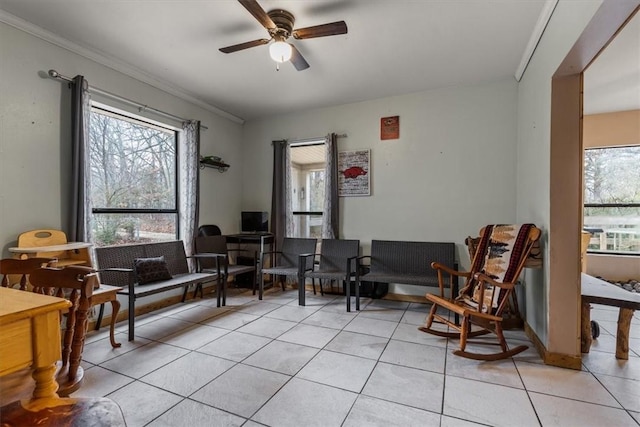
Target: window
{"type": "Point", "coordinates": [612, 199]}
{"type": "Point", "coordinates": [133, 168]}
{"type": "Point", "coordinates": [307, 188]}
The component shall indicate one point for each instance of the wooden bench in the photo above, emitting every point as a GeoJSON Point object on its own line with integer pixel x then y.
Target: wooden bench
{"type": "Point", "coordinates": [116, 267]}
{"type": "Point", "coordinates": [597, 291]}
{"type": "Point", "coordinates": [406, 263]}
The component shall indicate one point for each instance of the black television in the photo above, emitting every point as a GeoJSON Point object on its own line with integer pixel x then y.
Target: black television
{"type": "Point", "coordinates": [255, 222]}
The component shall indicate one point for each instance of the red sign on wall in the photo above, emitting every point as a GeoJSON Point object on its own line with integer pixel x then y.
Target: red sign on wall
{"type": "Point", "coordinates": [390, 127]}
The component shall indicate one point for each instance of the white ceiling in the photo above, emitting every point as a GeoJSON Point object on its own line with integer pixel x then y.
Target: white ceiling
{"type": "Point", "coordinates": [392, 47]}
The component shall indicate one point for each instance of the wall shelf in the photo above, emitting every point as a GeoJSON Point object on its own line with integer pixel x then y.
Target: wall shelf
{"type": "Point", "coordinates": [215, 164]}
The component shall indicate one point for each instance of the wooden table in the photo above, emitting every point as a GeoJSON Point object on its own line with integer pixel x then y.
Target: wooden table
{"type": "Point", "coordinates": [30, 336]}
{"type": "Point", "coordinates": [102, 295]}
{"type": "Point", "coordinates": [597, 291]}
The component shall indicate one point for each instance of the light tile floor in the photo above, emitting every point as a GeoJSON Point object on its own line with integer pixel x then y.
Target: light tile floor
{"type": "Point", "coordinates": [274, 363]}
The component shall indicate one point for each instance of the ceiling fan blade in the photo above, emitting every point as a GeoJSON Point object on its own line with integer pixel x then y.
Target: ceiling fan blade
{"type": "Point", "coordinates": [242, 46]}
{"type": "Point", "coordinates": [323, 30]}
{"type": "Point", "coordinates": [297, 59]}
{"type": "Point", "coordinates": [258, 12]}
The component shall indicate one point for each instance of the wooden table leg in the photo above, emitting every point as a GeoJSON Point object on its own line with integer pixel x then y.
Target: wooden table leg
{"type": "Point", "coordinates": [115, 307]}
{"type": "Point", "coordinates": [622, 336]}
{"type": "Point", "coordinates": [46, 352]}
{"type": "Point", "coordinates": [585, 327]}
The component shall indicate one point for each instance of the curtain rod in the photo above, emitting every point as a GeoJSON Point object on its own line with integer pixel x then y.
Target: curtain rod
{"type": "Point", "coordinates": [141, 107]}
{"type": "Point", "coordinates": [303, 141]}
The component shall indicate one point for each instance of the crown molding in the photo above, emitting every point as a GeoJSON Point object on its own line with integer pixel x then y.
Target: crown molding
{"type": "Point", "coordinates": [541, 24]}
{"type": "Point", "coordinates": [112, 62]}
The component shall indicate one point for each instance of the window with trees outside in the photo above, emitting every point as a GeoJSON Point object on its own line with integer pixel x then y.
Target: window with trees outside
{"type": "Point", "coordinates": [133, 180]}
{"type": "Point", "coordinates": [612, 199]}
{"type": "Point", "coordinates": [307, 188]}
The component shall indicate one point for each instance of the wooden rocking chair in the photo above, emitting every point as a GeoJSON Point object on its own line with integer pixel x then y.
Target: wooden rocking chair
{"type": "Point", "coordinates": [496, 266]}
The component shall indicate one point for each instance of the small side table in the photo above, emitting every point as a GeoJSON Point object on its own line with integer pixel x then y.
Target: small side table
{"type": "Point", "coordinates": [102, 295]}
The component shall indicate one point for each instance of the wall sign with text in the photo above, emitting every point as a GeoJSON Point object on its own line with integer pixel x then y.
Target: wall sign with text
{"type": "Point", "coordinates": [390, 127]}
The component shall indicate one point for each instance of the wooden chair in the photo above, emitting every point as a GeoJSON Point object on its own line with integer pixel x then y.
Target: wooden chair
{"type": "Point", "coordinates": [285, 260]}
{"type": "Point", "coordinates": [75, 283]}
{"type": "Point", "coordinates": [21, 268]}
{"type": "Point", "coordinates": [496, 266]}
{"type": "Point", "coordinates": [45, 237]}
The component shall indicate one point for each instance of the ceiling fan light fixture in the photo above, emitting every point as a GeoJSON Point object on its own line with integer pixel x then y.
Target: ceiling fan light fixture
{"type": "Point", "coordinates": [280, 51]}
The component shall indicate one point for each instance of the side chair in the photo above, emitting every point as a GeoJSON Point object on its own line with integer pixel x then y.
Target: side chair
{"type": "Point", "coordinates": [337, 261]}
{"type": "Point", "coordinates": [46, 408]}
{"type": "Point", "coordinates": [496, 266]}
{"type": "Point", "coordinates": [76, 284]}
{"type": "Point", "coordinates": [221, 265]}
{"type": "Point", "coordinates": [285, 262]}
{"type": "Point", "coordinates": [22, 268]}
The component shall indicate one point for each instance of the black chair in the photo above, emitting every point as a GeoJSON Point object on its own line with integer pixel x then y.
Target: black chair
{"type": "Point", "coordinates": [337, 261]}
{"type": "Point", "coordinates": [284, 263]}
{"type": "Point", "coordinates": [218, 245]}
{"type": "Point", "coordinates": [209, 230]}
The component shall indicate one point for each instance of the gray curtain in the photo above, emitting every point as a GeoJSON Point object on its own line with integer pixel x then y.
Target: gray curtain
{"type": "Point", "coordinates": [189, 182]}
{"type": "Point", "coordinates": [80, 210]}
{"type": "Point", "coordinates": [279, 192]}
{"type": "Point", "coordinates": [330, 218]}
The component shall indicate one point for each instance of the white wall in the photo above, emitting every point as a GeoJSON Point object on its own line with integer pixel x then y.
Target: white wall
{"type": "Point", "coordinates": [534, 111]}
{"type": "Point", "coordinates": [451, 172]}
{"type": "Point", "coordinates": [35, 136]}
{"type": "Point", "coordinates": [35, 133]}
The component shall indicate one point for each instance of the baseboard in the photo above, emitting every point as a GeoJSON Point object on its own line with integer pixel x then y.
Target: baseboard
{"type": "Point", "coordinates": [560, 360]}
{"type": "Point", "coordinates": [549, 358]}
{"type": "Point", "coordinates": [406, 298]}
{"type": "Point", "coordinates": [123, 314]}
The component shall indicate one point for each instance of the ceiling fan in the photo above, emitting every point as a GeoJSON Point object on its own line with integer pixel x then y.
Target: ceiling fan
{"type": "Point", "coordinates": [279, 25]}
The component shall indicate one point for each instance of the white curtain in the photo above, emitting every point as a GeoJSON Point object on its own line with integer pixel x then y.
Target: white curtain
{"type": "Point", "coordinates": [330, 210]}
{"type": "Point", "coordinates": [189, 149]}
{"type": "Point", "coordinates": [288, 189]}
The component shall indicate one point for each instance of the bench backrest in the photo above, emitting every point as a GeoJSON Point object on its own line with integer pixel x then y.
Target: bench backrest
{"type": "Point", "coordinates": [124, 255]}
{"type": "Point", "coordinates": [410, 258]}
{"type": "Point", "coordinates": [173, 253]}
{"type": "Point", "coordinates": [335, 252]}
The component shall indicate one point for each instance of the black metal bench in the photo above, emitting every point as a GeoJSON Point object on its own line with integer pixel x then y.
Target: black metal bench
{"type": "Point", "coordinates": [115, 264]}
{"type": "Point", "coordinates": [404, 262]}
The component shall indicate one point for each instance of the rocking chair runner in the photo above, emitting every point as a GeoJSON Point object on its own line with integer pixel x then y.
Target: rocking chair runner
{"type": "Point", "coordinates": [498, 262]}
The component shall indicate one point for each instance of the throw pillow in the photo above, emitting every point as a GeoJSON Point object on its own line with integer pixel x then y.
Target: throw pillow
{"type": "Point", "coordinates": [150, 270]}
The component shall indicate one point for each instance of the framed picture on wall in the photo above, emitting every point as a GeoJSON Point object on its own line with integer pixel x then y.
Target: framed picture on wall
{"type": "Point", "coordinates": [354, 173]}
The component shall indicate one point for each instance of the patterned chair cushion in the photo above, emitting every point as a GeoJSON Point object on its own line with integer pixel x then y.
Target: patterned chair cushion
{"type": "Point", "coordinates": [500, 250]}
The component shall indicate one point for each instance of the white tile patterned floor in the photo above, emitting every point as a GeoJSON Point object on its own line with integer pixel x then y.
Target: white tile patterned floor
{"type": "Point", "coordinates": [273, 363]}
